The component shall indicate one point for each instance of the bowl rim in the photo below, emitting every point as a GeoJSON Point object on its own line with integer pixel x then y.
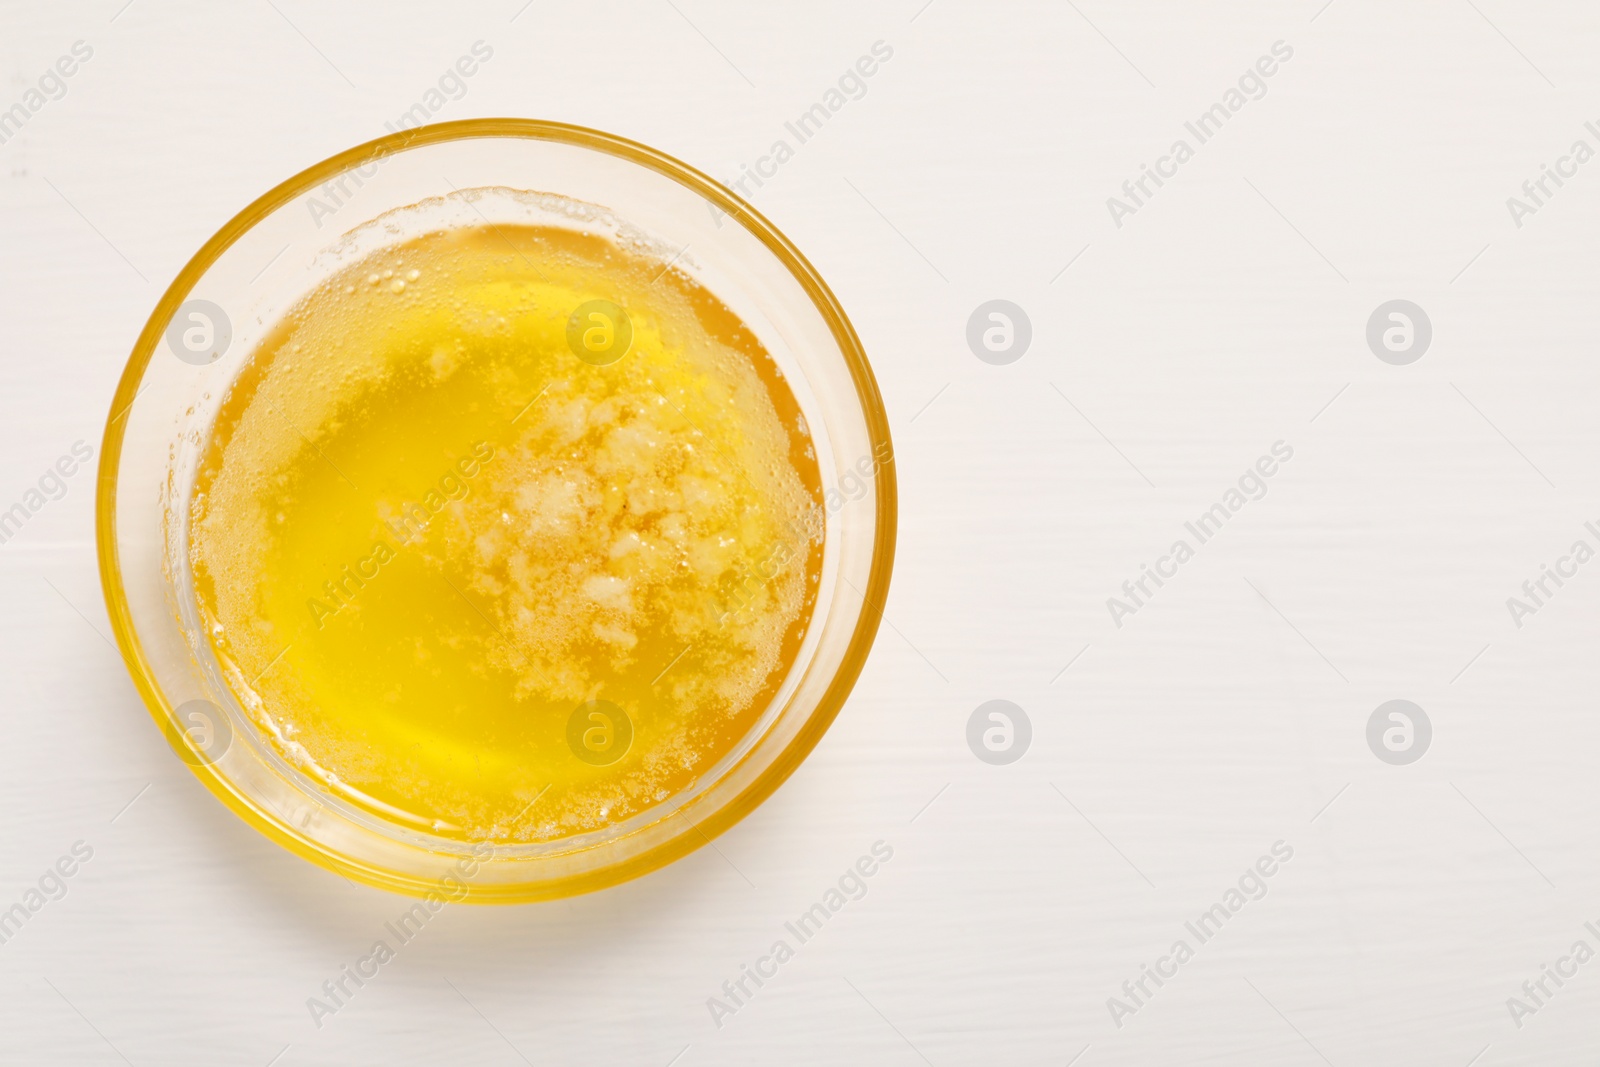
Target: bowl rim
{"type": "Point", "coordinates": [874, 595]}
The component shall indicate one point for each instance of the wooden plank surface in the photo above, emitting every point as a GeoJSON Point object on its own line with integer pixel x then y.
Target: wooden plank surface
{"type": "Point", "coordinates": [1176, 340]}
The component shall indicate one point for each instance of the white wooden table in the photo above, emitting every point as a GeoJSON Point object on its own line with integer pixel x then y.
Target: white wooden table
{"type": "Point", "coordinates": [1227, 312]}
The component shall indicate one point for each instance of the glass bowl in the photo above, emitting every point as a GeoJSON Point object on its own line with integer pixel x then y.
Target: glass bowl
{"type": "Point", "coordinates": [246, 277]}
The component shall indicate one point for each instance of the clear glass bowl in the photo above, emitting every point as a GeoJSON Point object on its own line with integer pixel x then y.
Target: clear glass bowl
{"type": "Point", "coordinates": [276, 250]}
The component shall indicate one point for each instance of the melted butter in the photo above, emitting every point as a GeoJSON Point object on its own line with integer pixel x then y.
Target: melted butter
{"type": "Point", "coordinates": [474, 582]}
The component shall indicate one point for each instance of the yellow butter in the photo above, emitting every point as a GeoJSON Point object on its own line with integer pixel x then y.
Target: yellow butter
{"type": "Point", "coordinates": [472, 574]}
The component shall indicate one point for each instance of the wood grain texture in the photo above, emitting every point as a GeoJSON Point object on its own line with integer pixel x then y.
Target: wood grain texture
{"type": "Point", "coordinates": [1226, 714]}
